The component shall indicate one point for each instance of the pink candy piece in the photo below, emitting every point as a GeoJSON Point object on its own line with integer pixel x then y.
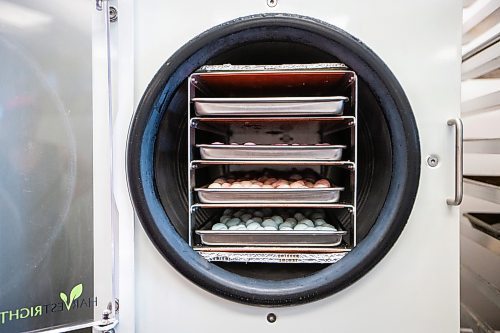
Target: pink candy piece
{"type": "Point", "coordinates": [217, 143]}
{"type": "Point", "coordinates": [219, 181]}
{"type": "Point", "coordinates": [296, 185]}
{"type": "Point", "coordinates": [323, 182]}
{"type": "Point", "coordinates": [246, 183]}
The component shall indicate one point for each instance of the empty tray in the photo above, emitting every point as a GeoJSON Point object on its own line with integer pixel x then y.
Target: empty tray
{"type": "Point", "coordinates": [270, 106]}
{"type": "Point", "coordinates": [270, 152]}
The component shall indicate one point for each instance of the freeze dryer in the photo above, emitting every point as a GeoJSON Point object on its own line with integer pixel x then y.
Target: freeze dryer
{"type": "Point", "coordinates": [337, 116]}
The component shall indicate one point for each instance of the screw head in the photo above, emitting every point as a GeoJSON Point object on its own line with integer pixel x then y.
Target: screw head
{"type": "Point", "coordinates": [271, 317]}
{"type": "Point", "coordinates": [272, 3]}
{"type": "Point", "coordinates": [433, 161]}
{"type": "Point", "coordinates": [113, 14]}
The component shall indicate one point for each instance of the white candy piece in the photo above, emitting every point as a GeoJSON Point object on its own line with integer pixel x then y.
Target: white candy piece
{"type": "Point", "coordinates": [228, 212]}
{"type": "Point", "coordinates": [257, 219]}
{"type": "Point", "coordinates": [215, 185]}
{"type": "Point", "coordinates": [258, 213]}
{"type": "Point", "coordinates": [238, 227]}
{"type": "Point", "coordinates": [315, 216]}
{"type": "Point", "coordinates": [320, 227]}
{"type": "Point", "coordinates": [300, 226]}
{"type": "Point", "coordinates": [269, 223]}
{"type": "Point", "coordinates": [232, 222]}
{"type": "Point", "coordinates": [277, 219]}
{"type": "Point", "coordinates": [238, 213]}
{"type": "Point", "coordinates": [219, 226]}
{"type": "Point", "coordinates": [270, 228]}
{"type": "Point", "coordinates": [253, 226]}
{"type": "Point", "coordinates": [224, 219]}
{"type": "Point", "coordinates": [319, 222]}
{"type": "Point", "coordinates": [245, 217]}
{"type": "Point", "coordinates": [285, 225]}
{"type": "Point", "coordinates": [247, 222]}
{"type": "Point", "coordinates": [307, 222]}
{"type": "Point", "coordinates": [298, 216]}
{"type": "Point", "coordinates": [326, 225]}
{"type": "Point", "coordinates": [285, 228]}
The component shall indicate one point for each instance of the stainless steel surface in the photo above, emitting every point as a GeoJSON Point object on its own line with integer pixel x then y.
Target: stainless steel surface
{"type": "Point", "coordinates": [283, 67]}
{"type": "Point", "coordinates": [272, 257]}
{"type": "Point", "coordinates": [270, 152]}
{"type": "Point", "coordinates": [301, 119]}
{"type": "Point", "coordinates": [459, 164]}
{"type": "Point", "coordinates": [221, 125]}
{"type": "Point", "coordinates": [305, 238]}
{"type": "Point", "coordinates": [199, 163]}
{"type": "Point", "coordinates": [277, 106]}
{"type": "Point", "coordinates": [238, 195]}
{"type": "Point", "coordinates": [273, 205]}
{"type": "Point", "coordinates": [481, 190]}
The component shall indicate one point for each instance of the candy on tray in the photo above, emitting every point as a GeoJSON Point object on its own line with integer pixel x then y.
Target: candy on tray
{"type": "Point", "coordinates": [272, 220]}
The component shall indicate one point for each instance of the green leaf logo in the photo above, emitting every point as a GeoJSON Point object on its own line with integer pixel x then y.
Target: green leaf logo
{"type": "Point", "coordinates": [74, 294]}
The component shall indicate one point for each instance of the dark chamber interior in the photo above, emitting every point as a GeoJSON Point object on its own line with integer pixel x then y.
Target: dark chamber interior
{"type": "Point", "coordinates": [374, 168]}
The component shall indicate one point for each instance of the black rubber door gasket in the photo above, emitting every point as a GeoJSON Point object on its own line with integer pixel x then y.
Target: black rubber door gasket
{"type": "Point", "coordinates": [391, 218]}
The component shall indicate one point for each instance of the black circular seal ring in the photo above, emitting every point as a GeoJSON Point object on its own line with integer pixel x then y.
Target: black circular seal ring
{"type": "Point", "coordinates": [405, 164]}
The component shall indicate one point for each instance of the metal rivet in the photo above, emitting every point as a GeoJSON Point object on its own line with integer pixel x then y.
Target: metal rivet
{"type": "Point", "coordinates": [432, 161]}
{"type": "Point", "coordinates": [272, 3]}
{"type": "Point", "coordinates": [271, 317]}
{"type": "Point", "coordinates": [113, 14]}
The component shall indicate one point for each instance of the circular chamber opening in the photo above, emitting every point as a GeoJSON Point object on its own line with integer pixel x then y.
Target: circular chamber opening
{"type": "Point", "coordinates": [387, 168]}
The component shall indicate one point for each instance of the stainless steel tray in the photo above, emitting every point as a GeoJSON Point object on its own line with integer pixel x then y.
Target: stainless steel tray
{"type": "Point", "coordinates": [270, 106]}
{"type": "Point", "coordinates": [270, 152]}
{"type": "Point", "coordinates": [257, 195]}
{"type": "Point", "coordinates": [270, 238]}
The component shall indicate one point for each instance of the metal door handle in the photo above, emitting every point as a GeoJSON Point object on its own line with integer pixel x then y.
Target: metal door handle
{"type": "Point", "coordinates": [459, 162]}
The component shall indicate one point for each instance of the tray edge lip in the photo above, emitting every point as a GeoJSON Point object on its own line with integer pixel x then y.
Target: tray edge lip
{"type": "Point", "coordinates": [259, 100]}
